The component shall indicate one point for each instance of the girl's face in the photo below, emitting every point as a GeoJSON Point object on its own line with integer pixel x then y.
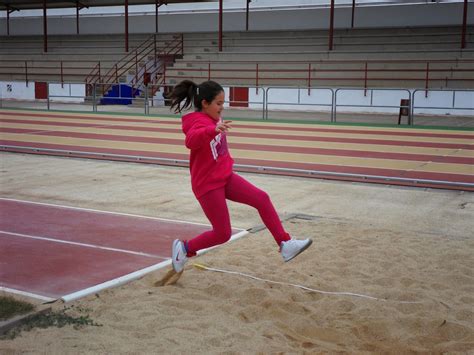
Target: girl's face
{"type": "Point", "coordinates": [214, 108]}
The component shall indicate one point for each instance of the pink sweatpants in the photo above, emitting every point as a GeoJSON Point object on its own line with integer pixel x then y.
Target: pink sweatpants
{"type": "Point", "coordinates": [214, 206]}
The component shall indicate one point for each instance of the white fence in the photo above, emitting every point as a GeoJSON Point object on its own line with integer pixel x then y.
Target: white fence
{"type": "Point", "coordinates": [270, 99]}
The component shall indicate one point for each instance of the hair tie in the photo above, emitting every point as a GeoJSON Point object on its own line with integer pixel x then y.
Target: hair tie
{"type": "Point", "coordinates": [197, 90]}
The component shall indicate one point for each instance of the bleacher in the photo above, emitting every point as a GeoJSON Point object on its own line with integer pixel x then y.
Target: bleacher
{"type": "Point", "coordinates": [360, 57]}
{"type": "Point", "coordinates": [69, 58]}
{"type": "Point", "coordinates": [400, 57]}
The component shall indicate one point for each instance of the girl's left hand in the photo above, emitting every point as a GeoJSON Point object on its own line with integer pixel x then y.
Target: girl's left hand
{"type": "Point", "coordinates": [223, 126]}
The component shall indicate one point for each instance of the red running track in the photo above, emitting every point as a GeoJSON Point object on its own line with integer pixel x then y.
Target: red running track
{"type": "Point", "coordinates": [50, 252]}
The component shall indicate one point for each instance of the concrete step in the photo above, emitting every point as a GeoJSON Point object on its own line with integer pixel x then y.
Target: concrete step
{"type": "Point", "coordinates": [356, 32]}
{"type": "Point", "coordinates": [252, 75]}
{"type": "Point", "coordinates": [263, 43]}
{"type": "Point", "coordinates": [346, 82]}
{"type": "Point", "coordinates": [325, 55]}
{"type": "Point", "coordinates": [315, 66]}
{"type": "Point", "coordinates": [109, 57]}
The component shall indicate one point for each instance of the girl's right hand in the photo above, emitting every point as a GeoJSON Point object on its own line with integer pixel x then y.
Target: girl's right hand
{"type": "Point", "coordinates": [223, 126]}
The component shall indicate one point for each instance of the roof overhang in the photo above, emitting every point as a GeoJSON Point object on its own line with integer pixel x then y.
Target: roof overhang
{"type": "Point", "coordinates": [61, 4]}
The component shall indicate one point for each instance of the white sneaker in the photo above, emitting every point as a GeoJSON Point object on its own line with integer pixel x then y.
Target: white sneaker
{"type": "Point", "coordinates": [178, 254]}
{"type": "Point", "coordinates": [293, 247]}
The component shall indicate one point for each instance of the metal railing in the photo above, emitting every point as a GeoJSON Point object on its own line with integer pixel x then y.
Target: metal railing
{"type": "Point", "coordinates": [371, 104]}
{"type": "Point", "coordinates": [363, 73]}
{"type": "Point", "coordinates": [309, 73]}
{"type": "Point", "coordinates": [415, 98]}
{"type": "Point", "coordinates": [299, 102]}
{"type": "Point", "coordinates": [133, 61]}
{"type": "Point", "coordinates": [312, 101]}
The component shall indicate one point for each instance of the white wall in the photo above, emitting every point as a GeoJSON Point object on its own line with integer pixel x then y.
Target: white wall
{"type": "Point", "coordinates": [438, 102]}
{"type": "Point", "coordinates": [67, 92]}
{"type": "Point", "coordinates": [18, 90]}
{"type": "Point", "coordinates": [262, 17]}
{"type": "Point", "coordinates": [12, 90]}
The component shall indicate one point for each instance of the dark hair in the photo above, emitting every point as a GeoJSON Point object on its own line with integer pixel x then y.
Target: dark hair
{"type": "Point", "coordinates": [190, 92]}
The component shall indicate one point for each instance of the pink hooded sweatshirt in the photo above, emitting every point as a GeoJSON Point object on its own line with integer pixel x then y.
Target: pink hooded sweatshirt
{"type": "Point", "coordinates": [210, 160]}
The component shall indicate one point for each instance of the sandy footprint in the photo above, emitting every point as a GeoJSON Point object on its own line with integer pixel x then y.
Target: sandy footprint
{"type": "Point", "coordinates": [170, 278]}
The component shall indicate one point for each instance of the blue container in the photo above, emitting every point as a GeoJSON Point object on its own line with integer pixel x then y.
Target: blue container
{"type": "Point", "coordinates": [120, 94]}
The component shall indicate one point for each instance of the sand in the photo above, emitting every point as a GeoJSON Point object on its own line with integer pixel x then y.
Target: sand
{"type": "Point", "coordinates": [413, 249]}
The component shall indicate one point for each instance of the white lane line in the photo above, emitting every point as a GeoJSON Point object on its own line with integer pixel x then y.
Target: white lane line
{"type": "Point", "coordinates": [134, 275]}
{"type": "Point", "coordinates": [26, 294]}
{"type": "Point", "coordinates": [82, 244]}
{"type": "Point", "coordinates": [108, 212]}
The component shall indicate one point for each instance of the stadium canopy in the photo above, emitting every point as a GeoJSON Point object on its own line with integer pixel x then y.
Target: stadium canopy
{"type": "Point", "coordinates": [62, 4]}
{"type": "Point", "coordinates": [17, 5]}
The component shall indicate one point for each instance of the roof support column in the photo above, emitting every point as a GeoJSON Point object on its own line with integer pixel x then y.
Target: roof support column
{"type": "Point", "coordinates": [8, 20]}
{"type": "Point", "coordinates": [464, 23]}
{"type": "Point", "coordinates": [9, 11]}
{"type": "Point", "coordinates": [220, 25]}
{"type": "Point", "coordinates": [79, 7]}
{"type": "Point", "coordinates": [331, 25]}
{"type": "Point", "coordinates": [353, 11]}
{"type": "Point", "coordinates": [45, 28]}
{"type": "Point", "coordinates": [126, 26]}
{"type": "Point", "coordinates": [158, 3]}
{"type": "Point", "coordinates": [77, 17]}
{"type": "Point", "coordinates": [247, 16]}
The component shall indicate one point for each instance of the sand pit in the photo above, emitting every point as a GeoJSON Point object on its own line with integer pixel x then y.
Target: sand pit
{"type": "Point", "coordinates": [209, 312]}
{"type": "Point", "coordinates": [400, 245]}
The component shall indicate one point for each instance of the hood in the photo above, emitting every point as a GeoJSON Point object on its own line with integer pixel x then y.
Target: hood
{"type": "Point", "coordinates": [192, 118]}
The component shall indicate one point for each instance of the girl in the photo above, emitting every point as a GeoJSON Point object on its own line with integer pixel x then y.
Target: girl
{"type": "Point", "coordinates": [212, 178]}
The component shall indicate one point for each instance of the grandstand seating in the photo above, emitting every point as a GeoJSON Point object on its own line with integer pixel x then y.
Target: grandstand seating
{"type": "Point", "coordinates": [395, 57]}
{"type": "Point", "coordinates": [399, 57]}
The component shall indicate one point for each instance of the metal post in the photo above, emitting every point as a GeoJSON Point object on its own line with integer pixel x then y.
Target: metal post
{"type": "Point", "coordinates": [62, 76]}
{"type": "Point", "coordinates": [427, 78]}
{"type": "Point", "coordinates": [45, 28]}
{"type": "Point", "coordinates": [331, 25]}
{"type": "Point", "coordinates": [333, 107]}
{"type": "Point", "coordinates": [220, 25]}
{"type": "Point", "coordinates": [157, 5]}
{"type": "Point", "coordinates": [26, 73]}
{"type": "Point", "coordinates": [309, 79]}
{"type": "Point", "coordinates": [47, 97]}
{"type": "Point", "coordinates": [94, 97]}
{"type": "Point", "coordinates": [164, 73]}
{"type": "Point", "coordinates": [8, 21]}
{"type": "Point", "coordinates": [256, 77]}
{"type": "Point", "coordinates": [265, 92]}
{"type": "Point", "coordinates": [464, 21]}
{"type": "Point", "coordinates": [247, 16]}
{"type": "Point", "coordinates": [126, 26]}
{"type": "Point", "coordinates": [365, 80]}
{"type": "Point", "coordinates": [353, 11]}
{"type": "Point", "coordinates": [77, 17]}
{"type": "Point", "coordinates": [147, 109]}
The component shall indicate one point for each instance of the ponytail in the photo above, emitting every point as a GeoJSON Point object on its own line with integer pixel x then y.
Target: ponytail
{"type": "Point", "coordinates": [191, 93]}
{"type": "Point", "coordinates": [184, 91]}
